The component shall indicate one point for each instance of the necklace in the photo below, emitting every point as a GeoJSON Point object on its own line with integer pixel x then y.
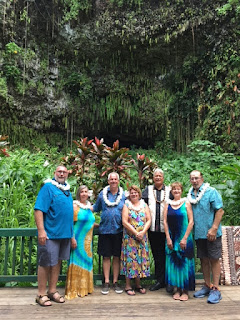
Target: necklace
{"type": "Point", "coordinates": [135, 208]}
{"type": "Point", "coordinates": [63, 187]}
{"type": "Point", "coordinates": [82, 205]}
{"type": "Point", "coordinates": [164, 196]}
{"type": "Point", "coordinates": [176, 202]}
{"type": "Point", "coordinates": [199, 196]}
{"type": "Point", "coordinates": [118, 199]}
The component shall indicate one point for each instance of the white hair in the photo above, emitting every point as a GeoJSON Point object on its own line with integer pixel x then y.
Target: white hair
{"type": "Point", "coordinates": [158, 170]}
{"type": "Point", "coordinates": [113, 173]}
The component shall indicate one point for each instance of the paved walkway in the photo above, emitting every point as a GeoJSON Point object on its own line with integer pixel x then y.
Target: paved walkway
{"type": "Point", "coordinates": [19, 303]}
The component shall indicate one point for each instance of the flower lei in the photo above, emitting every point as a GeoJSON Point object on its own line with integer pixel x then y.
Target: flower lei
{"type": "Point", "coordinates": [63, 187]}
{"type": "Point", "coordinates": [164, 196]}
{"type": "Point", "coordinates": [132, 207]}
{"type": "Point", "coordinates": [118, 199]}
{"type": "Point", "coordinates": [199, 196]}
{"type": "Point", "coordinates": [176, 202]}
{"type": "Point", "coordinates": [82, 205]}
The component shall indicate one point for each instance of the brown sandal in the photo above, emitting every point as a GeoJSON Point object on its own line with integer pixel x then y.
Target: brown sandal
{"type": "Point", "coordinates": [42, 302]}
{"type": "Point", "coordinates": [57, 298]}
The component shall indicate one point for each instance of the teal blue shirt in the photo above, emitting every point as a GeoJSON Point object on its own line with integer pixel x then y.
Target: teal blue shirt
{"type": "Point", "coordinates": [204, 212]}
{"type": "Point", "coordinates": [57, 208]}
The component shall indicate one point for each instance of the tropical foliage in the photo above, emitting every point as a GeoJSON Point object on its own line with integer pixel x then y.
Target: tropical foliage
{"type": "Point", "coordinates": [148, 71]}
{"type": "Point", "coordinates": [22, 174]}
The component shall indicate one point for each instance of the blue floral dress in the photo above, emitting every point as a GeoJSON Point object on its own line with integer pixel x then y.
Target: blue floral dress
{"type": "Point", "coordinates": [180, 266]}
{"type": "Point", "coordinates": [135, 254]}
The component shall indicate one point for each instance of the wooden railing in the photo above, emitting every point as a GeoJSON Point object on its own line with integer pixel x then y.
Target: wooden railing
{"type": "Point", "coordinates": [18, 257]}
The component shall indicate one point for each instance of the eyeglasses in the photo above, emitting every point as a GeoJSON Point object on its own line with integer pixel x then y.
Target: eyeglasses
{"type": "Point", "coordinates": [62, 172]}
{"type": "Point", "coordinates": [195, 178]}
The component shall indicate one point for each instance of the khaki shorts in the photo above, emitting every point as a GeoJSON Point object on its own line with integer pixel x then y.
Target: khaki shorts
{"type": "Point", "coordinates": [53, 251]}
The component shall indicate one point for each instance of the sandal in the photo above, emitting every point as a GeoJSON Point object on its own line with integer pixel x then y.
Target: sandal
{"type": "Point", "coordinates": [177, 295]}
{"type": "Point", "coordinates": [57, 298]}
{"type": "Point", "coordinates": [184, 297]}
{"type": "Point", "coordinates": [130, 290]}
{"type": "Point", "coordinates": [42, 302]}
{"type": "Point", "coordinates": [140, 290]}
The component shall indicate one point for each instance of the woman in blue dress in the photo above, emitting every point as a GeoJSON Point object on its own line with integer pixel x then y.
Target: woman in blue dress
{"type": "Point", "coordinates": [79, 282]}
{"type": "Point", "coordinates": [178, 224]}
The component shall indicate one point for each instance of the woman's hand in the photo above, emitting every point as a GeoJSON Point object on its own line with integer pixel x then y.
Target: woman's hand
{"type": "Point", "coordinates": [183, 244]}
{"type": "Point", "coordinates": [140, 235]}
{"type": "Point", "coordinates": [73, 243]}
{"type": "Point", "coordinates": [169, 243]}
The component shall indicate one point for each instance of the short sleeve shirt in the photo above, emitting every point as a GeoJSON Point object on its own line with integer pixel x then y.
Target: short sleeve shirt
{"type": "Point", "coordinates": [204, 212]}
{"type": "Point", "coordinates": [111, 217]}
{"type": "Point", "coordinates": [57, 208]}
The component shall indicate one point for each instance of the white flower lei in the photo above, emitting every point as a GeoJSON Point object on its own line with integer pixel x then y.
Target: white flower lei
{"type": "Point", "coordinates": [64, 187]}
{"type": "Point", "coordinates": [199, 196]}
{"type": "Point", "coordinates": [81, 205]}
{"type": "Point", "coordinates": [132, 207]}
{"type": "Point", "coordinates": [176, 202]}
{"type": "Point", "coordinates": [118, 199]}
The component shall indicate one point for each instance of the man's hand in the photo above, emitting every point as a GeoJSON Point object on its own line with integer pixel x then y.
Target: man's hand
{"type": "Point", "coordinates": [212, 234]}
{"type": "Point", "coordinates": [42, 237]}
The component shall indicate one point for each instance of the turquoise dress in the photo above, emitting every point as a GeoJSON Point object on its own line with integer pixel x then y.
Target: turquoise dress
{"type": "Point", "coordinates": [180, 265]}
{"type": "Point", "coordinates": [79, 282]}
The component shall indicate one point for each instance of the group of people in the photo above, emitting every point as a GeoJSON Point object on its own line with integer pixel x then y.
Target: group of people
{"type": "Point", "coordinates": [159, 213]}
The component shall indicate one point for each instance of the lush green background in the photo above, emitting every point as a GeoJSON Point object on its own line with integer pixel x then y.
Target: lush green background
{"type": "Point", "coordinates": [144, 72]}
{"type": "Point", "coordinates": [22, 174]}
{"type": "Point", "coordinates": [158, 75]}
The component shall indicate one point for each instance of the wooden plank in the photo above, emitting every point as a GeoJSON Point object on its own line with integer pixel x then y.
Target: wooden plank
{"type": "Point", "coordinates": [18, 303]}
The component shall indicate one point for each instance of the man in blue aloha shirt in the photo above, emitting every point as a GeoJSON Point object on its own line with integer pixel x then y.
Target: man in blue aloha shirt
{"type": "Point", "coordinates": [53, 213]}
{"type": "Point", "coordinates": [110, 201]}
{"type": "Point", "coordinates": [207, 213]}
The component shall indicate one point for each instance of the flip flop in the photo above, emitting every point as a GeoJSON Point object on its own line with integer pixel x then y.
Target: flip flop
{"type": "Point", "coordinates": [57, 298]}
{"type": "Point", "coordinates": [184, 297]}
{"type": "Point", "coordinates": [177, 295]}
{"type": "Point", "coordinates": [130, 290]}
{"type": "Point", "coordinates": [42, 302]}
{"type": "Point", "coordinates": [140, 290]}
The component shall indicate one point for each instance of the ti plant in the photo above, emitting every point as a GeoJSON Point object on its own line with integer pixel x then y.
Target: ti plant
{"type": "Point", "coordinates": [81, 161]}
{"type": "Point", "coordinates": [3, 144]}
{"type": "Point", "coordinates": [117, 160]}
{"type": "Point", "coordinates": [144, 167]}
{"type": "Point", "coordinates": [96, 159]}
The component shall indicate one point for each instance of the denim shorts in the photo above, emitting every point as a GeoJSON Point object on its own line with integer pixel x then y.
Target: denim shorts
{"type": "Point", "coordinates": [53, 251]}
{"type": "Point", "coordinates": [110, 245]}
{"type": "Point", "coordinates": [209, 249]}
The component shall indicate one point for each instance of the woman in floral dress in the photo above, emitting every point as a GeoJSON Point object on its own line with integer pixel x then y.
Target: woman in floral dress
{"type": "Point", "coordinates": [136, 221]}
